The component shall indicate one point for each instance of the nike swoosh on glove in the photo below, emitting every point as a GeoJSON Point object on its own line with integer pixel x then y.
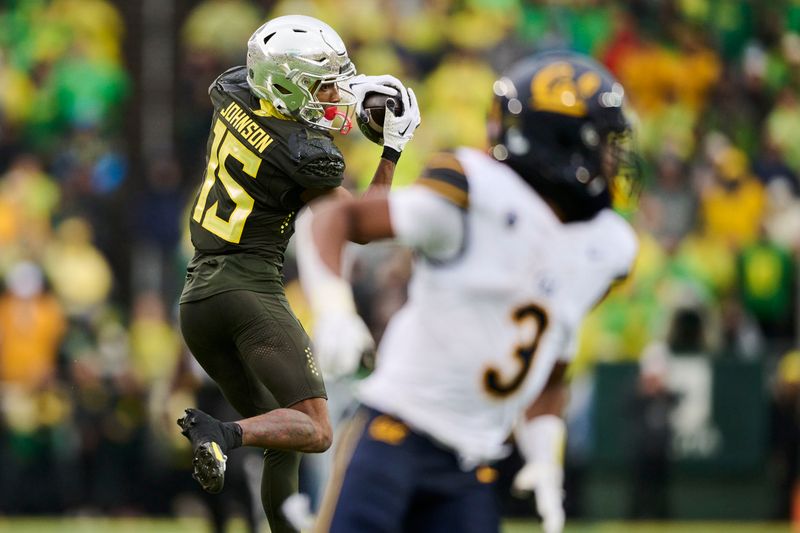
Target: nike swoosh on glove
{"type": "Point", "coordinates": [398, 130]}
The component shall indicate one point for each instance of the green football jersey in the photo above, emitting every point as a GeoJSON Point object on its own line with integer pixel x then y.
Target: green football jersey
{"type": "Point", "coordinates": [258, 165]}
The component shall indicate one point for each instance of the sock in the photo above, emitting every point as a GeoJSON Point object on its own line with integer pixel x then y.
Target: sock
{"type": "Point", "coordinates": [232, 433]}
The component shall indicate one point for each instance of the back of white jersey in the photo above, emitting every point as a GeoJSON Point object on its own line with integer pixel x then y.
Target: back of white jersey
{"type": "Point", "coordinates": [481, 332]}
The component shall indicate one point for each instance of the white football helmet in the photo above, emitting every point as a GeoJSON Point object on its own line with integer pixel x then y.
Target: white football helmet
{"type": "Point", "coordinates": [289, 58]}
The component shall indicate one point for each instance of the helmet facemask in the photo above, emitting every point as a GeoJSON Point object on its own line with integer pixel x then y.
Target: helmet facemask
{"type": "Point", "coordinates": [335, 116]}
{"type": "Point", "coordinates": [622, 169]}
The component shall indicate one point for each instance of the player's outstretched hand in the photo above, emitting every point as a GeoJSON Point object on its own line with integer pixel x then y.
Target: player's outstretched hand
{"type": "Point", "coordinates": [545, 482]}
{"type": "Point", "coordinates": [399, 129]}
{"type": "Point", "coordinates": [361, 85]}
{"type": "Point", "coordinates": [340, 341]}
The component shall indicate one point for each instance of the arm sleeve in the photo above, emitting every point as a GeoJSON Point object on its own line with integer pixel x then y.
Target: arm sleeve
{"type": "Point", "coordinates": [431, 215]}
{"type": "Point", "coordinates": [426, 222]}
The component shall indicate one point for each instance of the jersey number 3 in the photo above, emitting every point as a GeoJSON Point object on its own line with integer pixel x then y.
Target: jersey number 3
{"type": "Point", "coordinates": [532, 320]}
{"type": "Point", "coordinates": [223, 146]}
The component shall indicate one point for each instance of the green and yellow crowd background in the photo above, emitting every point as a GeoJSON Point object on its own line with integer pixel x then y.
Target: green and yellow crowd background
{"type": "Point", "coordinates": [93, 242]}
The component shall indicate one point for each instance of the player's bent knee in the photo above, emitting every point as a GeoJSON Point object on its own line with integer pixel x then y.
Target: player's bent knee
{"type": "Point", "coordinates": [316, 410]}
{"type": "Point", "coordinates": [324, 438]}
{"type": "Point", "coordinates": [323, 435]}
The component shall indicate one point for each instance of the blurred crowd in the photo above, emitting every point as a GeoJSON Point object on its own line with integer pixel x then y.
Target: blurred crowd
{"type": "Point", "coordinates": [92, 367]}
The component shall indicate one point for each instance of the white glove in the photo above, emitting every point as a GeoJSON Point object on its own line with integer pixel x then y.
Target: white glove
{"type": "Point", "coordinates": [541, 443]}
{"type": "Point", "coordinates": [398, 130]}
{"type": "Point", "coordinates": [361, 85]}
{"type": "Point", "coordinates": [340, 336]}
{"type": "Point", "coordinates": [341, 339]}
{"type": "Point", "coordinates": [545, 481]}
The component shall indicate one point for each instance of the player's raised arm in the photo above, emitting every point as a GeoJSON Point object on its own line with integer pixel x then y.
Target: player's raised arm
{"type": "Point", "coordinates": [422, 217]}
{"type": "Point", "coordinates": [401, 118]}
{"type": "Point", "coordinates": [340, 336]}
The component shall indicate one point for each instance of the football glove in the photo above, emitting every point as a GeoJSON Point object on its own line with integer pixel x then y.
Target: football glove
{"type": "Point", "coordinates": [341, 340]}
{"type": "Point", "coordinates": [399, 129]}
{"type": "Point", "coordinates": [361, 85]}
{"type": "Point", "coordinates": [541, 444]}
{"type": "Point", "coordinates": [545, 482]}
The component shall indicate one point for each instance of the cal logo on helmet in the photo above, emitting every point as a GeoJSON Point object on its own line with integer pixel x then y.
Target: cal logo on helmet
{"type": "Point", "coordinates": [556, 89]}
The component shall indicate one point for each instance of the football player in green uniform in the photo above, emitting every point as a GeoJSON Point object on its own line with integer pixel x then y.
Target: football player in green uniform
{"type": "Point", "coordinates": [270, 152]}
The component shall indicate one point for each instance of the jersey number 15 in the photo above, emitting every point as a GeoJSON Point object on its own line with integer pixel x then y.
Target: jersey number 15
{"type": "Point", "coordinates": [225, 144]}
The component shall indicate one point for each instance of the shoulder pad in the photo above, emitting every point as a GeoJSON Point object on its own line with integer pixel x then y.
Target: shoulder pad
{"type": "Point", "coordinates": [314, 153]}
{"type": "Point", "coordinates": [233, 78]}
{"type": "Point", "coordinates": [232, 82]}
{"type": "Point", "coordinates": [446, 177]}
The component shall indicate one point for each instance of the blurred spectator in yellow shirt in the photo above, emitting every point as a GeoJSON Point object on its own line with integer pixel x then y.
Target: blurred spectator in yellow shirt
{"type": "Point", "coordinates": [29, 197]}
{"type": "Point", "coordinates": [655, 76]}
{"type": "Point", "coordinates": [154, 343]}
{"type": "Point", "coordinates": [479, 27]}
{"type": "Point", "coordinates": [456, 98]}
{"type": "Point", "coordinates": [155, 351]}
{"type": "Point", "coordinates": [418, 30]}
{"type": "Point", "coordinates": [81, 276]}
{"type": "Point", "coordinates": [734, 202]}
{"type": "Point", "coordinates": [706, 260]}
{"type": "Point", "coordinates": [95, 25]}
{"type": "Point", "coordinates": [31, 327]}
{"type": "Point", "coordinates": [221, 27]}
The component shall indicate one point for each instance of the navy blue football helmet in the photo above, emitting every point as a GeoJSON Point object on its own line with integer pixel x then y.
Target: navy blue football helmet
{"type": "Point", "coordinates": [558, 120]}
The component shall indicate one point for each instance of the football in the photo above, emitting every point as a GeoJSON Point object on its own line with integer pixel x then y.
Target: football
{"type": "Point", "coordinates": [370, 120]}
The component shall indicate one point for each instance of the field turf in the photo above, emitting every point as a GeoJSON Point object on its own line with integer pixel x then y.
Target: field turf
{"type": "Point", "coordinates": [195, 525]}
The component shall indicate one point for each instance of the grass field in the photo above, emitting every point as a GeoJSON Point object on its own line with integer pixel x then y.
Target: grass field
{"type": "Point", "coordinates": [194, 525]}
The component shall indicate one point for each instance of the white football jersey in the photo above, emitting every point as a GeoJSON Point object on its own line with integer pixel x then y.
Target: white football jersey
{"type": "Point", "coordinates": [484, 325]}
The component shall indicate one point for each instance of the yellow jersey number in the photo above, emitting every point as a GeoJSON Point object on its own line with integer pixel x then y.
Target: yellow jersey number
{"type": "Point", "coordinates": [225, 145]}
{"type": "Point", "coordinates": [532, 320]}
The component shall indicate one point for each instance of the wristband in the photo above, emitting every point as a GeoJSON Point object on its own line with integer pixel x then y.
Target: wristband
{"type": "Point", "coordinates": [390, 154]}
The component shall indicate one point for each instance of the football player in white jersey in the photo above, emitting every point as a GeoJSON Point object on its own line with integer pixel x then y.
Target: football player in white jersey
{"type": "Point", "coordinates": [513, 248]}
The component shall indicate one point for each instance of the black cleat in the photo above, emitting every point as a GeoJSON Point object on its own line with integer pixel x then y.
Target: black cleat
{"type": "Point", "coordinates": [208, 443]}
